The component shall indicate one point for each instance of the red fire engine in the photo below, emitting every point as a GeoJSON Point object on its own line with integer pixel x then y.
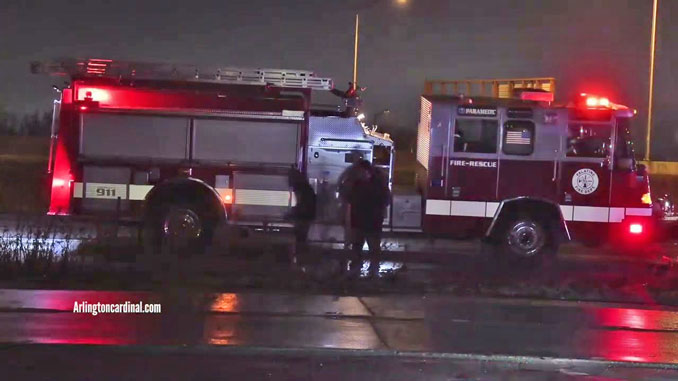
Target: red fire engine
{"type": "Point", "coordinates": [182, 147]}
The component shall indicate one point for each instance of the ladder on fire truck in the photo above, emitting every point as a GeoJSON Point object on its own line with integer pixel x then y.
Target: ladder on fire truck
{"type": "Point", "coordinates": [495, 88]}
{"type": "Point", "coordinates": [106, 68]}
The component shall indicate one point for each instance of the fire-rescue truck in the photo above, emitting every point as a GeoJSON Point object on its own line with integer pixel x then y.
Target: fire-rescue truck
{"type": "Point", "coordinates": [184, 148]}
{"type": "Point", "coordinates": [526, 173]}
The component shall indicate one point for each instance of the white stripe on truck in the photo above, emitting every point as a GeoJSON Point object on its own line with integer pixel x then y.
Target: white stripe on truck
{"type": "Point", "coordinates": [616, 214]}
{"type": "Point", "coordinates": [262, 197]}
{"type": "Point", "coordinates": [438, 207]}
{"type": "Point", "coordinates": [638, 211]}
{"type": "Point", "coordinates": [579, 213]}
{"type": "Point", "coordinates": [139, 192]}
{"type": "Point", "coordinates": [591, 214]}
{"type": "Point", "coordinates": [491, 209]}
{"type": "Point", "coordinates": [468, 208]}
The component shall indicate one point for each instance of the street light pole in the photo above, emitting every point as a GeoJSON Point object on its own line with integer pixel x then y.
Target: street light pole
{"type": "Point", "coordinates": [653, 46]}
{"type": "Point", "coordinates": [401, 3]}
{"type": "Point", "coordinates": [355, 53]}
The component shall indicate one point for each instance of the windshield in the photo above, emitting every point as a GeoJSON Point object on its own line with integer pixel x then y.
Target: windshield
{"type": "Point", "coordinates": [589, 140]}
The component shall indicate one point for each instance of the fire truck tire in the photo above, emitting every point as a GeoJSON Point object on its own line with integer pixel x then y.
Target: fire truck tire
{"type": "Point", "coordinates": [181, 228]}
{"type": "Point", "coordinates": [526, 239]}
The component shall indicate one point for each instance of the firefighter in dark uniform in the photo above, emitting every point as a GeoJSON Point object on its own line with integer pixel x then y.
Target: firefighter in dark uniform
{"type": "Point", "coordinates": [303, 212]}
{"type": "Point", "coordinates": [365, 189]}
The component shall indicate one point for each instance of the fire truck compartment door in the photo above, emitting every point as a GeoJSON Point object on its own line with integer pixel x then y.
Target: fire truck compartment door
{"type": "Point", "coordinates": [246, 141]}
{"type": "Point", "coordinates": [325, 165]}
{"type": "Point", "coordinates": [134, 136]}
{"type": "Point", "coordinates": [470, 160]}
{"type": "Point", "coordinates": [105, 189]}
{"type": "Point", "coordinates": [260, 195]}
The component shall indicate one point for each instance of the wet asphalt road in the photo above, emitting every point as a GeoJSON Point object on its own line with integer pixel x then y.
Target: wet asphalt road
{"type": "Point", "coordinates": [300, 330]}
{"type": "Point", "coordinates": [288, 336]}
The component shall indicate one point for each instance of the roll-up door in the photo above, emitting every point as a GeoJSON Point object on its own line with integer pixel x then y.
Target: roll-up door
{"type": "Point", "coordinates": [246, 141]}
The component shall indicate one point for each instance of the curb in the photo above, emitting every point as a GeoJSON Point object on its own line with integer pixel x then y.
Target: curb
{"type": "Point", "coordinates": [522, 362]}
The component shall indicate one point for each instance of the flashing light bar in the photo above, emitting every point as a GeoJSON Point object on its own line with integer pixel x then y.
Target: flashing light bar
{"type": "Point", "coordinates": [596, 102]}
{"type": "Point", "coordinates": [593, 101]}
{"type": "Point", "coordinates": [539, 96]}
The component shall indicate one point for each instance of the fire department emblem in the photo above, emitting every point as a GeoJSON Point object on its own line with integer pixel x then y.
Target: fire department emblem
{"type": "Point", "coordinates": [585, 181]}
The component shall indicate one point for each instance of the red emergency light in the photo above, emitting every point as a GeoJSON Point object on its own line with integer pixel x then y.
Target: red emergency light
{"type": "Point", "coordinates": [598, 102]}
{"type": "Point", "coordinates": [595, 101]}
{"type": "Point", "coordinates": [93, 94]}
{"type": "Point", "coordinates": [636, 228]}
{"type": "Point", "coordinates": [59, 182]}
{"type": "Point", "coordinates": [539, 96]}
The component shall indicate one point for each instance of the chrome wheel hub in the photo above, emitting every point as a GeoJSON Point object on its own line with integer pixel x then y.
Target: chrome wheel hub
{"type": "Point", "coordinates": [182, 224]}
{"type": "Point", "coordinates": [525, 238]}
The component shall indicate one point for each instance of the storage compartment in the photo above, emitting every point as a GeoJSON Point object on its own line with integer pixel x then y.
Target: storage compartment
{"type": "Point", "coordinates": [105, 189]}
{"type": "Point", "coordinates": [406, 211]}
{"type": "Point", "coordinates": [105, 136]}
{"type": "Point", "coordinates": [325, 166]}
{"type": "Point", "coordinates": [246, 141]}
{"type": "Point", "coordinates": [259, 195]}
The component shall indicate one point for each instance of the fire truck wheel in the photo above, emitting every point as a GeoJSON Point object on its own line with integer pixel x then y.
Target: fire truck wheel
{"type": "Point", "coordinates": [185, 228]}
{"type": "Point", "coordinates": [525, 238]}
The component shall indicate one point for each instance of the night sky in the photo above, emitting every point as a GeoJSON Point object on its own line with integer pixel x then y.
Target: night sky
{"type": "Point", "coordinates": [588, 45]}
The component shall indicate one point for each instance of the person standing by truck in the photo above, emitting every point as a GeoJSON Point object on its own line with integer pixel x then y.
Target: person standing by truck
{"type": "Point", "coordinates": [367, 195]}
{"type": "Point", "coordinates": [303, 212]}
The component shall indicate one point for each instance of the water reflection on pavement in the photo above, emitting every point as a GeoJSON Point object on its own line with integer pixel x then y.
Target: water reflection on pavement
{"type": "Point", "coordinates": [403, 323]}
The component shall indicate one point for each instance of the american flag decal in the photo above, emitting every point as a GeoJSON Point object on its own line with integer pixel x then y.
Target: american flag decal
{"type": "Point", "coordinates": [518, 137]}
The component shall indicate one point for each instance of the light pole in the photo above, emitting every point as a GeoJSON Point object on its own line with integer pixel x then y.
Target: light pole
{"type": "Point", "coordinates": [354, 85]}
{"type": "Point", "coordinates": [653, 47]}
{"type": "Point", "coordinates": [355, 53]}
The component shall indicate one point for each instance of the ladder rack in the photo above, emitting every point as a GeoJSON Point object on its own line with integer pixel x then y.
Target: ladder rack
{"type": "Point", "coordinates": [105, 68]}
